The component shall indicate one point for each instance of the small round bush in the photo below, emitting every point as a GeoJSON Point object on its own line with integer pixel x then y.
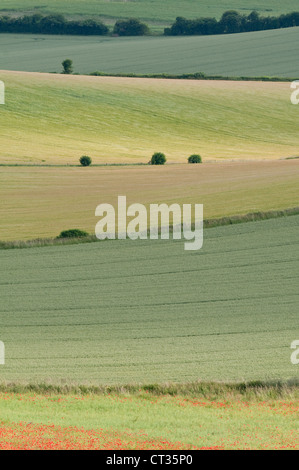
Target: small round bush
{"type": "Point", "coordinates": [130, 27]}
{"type": "Point", "coordinates": [195, 159]}
{"type": "Point", "coordinates": [85, 160]}
{"type": "Point", "coordinates": [73, 233]}
{"type": "Point", "coordinates": [158, 159]}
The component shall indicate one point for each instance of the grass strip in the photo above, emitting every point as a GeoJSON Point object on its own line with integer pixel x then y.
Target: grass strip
{"type": "Point", "coordinates": [254, 390]}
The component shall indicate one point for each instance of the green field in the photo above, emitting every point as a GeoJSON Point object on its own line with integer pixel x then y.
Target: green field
{"type": "Point", "coordinates": [262, 53]}
{"type": "Point", "coordinates": [148, 311]}
{"type": "Point", "coordinates": [161, 11]}
{"type": "Point", "coordinates": [123, 344]}
{"type": "Point", "coordinates": [58, 118]}
{"type": "Point", "coordinates": [144, 420]}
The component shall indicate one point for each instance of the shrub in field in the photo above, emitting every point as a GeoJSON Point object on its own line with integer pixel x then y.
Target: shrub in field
{"type": "Point", "coordinates": [88, 27]}
{"type": "Point", "coordinates": [73, 233]}
{"type": "Point", "coordinates": [195, 159]}
{"type": "Point", "coordinates": [158, 159]}
{"type": "Point", "coordinates": [85, 160]}
{"type": "Point", "coordinates": [67, 65]}
{"type": "Point", "coordinates": [131, 27]}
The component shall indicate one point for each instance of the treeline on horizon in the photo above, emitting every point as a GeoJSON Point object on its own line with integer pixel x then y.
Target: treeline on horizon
{"type": "Point", "coordinates": [58, 24]}
{"type": "Point", "coordinates": [51, 24]}
{"type": "Point", "coordinates": [230, 22]}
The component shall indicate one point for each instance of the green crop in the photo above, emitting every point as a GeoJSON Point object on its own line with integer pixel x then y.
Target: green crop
{"type": "Point", "coordinates": [121, 312]}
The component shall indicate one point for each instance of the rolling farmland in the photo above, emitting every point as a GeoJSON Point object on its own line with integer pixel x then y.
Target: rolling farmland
{"type": "Point", "coordinates": [57, 118]}
{"type": "Point", "coordinates": [141, 345]}
{"type": "Point", "coordinates": [41, 202]}
{"type": "Point", "coordinates": [161, 11]}
{"type": "Point", "coordinates": [261, 53]}
{"type": "Point", "coordinates": [148, 311]}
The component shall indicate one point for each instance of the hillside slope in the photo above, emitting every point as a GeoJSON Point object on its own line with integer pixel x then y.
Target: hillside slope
{"type": "Point", "coordinates": [57, 118]}
{"type": "Point", "coordinates": [262, 53]}
{"type": "Point", "coordinates": [148, 311]}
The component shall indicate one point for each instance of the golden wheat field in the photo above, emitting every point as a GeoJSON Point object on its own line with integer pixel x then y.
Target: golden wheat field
{"type": "Point", "coordinates": [41, 202]}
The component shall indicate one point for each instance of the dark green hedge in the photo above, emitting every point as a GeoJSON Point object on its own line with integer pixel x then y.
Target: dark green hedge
{"type": "Point", "coordinates": [52, 24]}
{"type": "Point", "coordinates": [131, 27]}
{"type": "Point", "coordinates": [231, 22]}
{"type": "Point", "coordinates": [58, 24]}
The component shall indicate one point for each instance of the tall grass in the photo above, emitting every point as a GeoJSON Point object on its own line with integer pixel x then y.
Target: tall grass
{"type": "Point", "coordinates": [251, 391]}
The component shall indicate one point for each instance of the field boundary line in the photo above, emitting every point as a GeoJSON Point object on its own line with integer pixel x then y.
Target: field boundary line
{"type": "Point", "coordinates": [250, 390]}
{"type": "Point", "coordinates": [208, 223]}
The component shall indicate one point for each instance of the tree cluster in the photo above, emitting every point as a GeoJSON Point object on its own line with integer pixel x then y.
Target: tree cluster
{"type": "Point", "coordinates": [131, 27]}
{"type": "Point", "coordinates": [231, 22]}
{"type": "Point", "coordinates": [58, 24]}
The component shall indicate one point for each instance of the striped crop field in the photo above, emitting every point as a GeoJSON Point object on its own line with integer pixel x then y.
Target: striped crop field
{"type": "Point", "coordinates": [142, 344]}
{"type": "Point", "coordinates": [57, 118]}
{"type": "Point", "coordinates": [40, 202]}
{"type": "Point", "coordinates": [147, 311]}
{"type": "Point", "coordinates": [255, 54]}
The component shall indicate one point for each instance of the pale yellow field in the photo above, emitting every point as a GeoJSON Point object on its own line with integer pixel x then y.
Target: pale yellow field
{"type": "Point", "coordinates": [41, 202]}
{"type": "Point", "coordinates": [52, 118]}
